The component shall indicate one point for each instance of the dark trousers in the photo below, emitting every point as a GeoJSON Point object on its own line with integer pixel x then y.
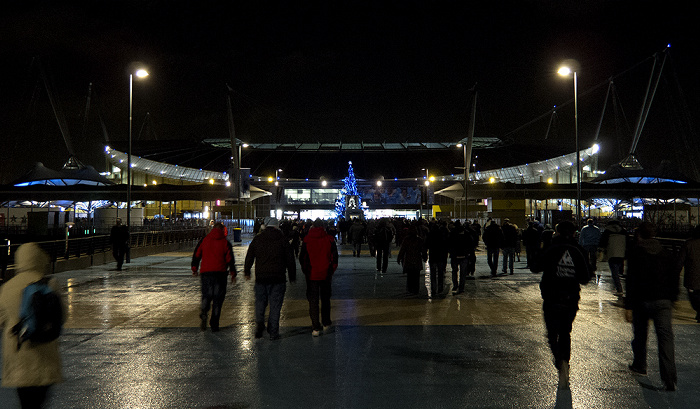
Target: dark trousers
{"type": "Point", "coordinates": [356, 247]}
{"type": "Point", "coordinates": [531, 254]}
{"type": "Point", "coordinates": [315, 290]}
{"type": "Point", "coordinates": [508, 258]}
{"type": "Point", "coordinates": [383, 252]}
{"type": "Point", "coordinates": [558, 319]}
{"type": "Point", "coordinates": [592, 255]}
{"type": "Point", "coordinates": [213, 295]}
{"type": "Point", "coordinates": [660, 311]}
{"type": "Point", "coordinates": [412, 279]}
{"type": "Point", "coordinates": [694, 297]}
{"type": "Point", "coordinates": [437, 276]}
{"type": "Point", "coordinates": [492, 258]}
{"type": "Point", "coordinates": [274, 295]}
{"type": "Point", "coordinates": [459, 266]}
{"type": "Point", "coordinates": [617, 267]}
{"type": "Point", "coordinates": [32, 397]}
{"type": "Point", "coordinates": [119, 252]}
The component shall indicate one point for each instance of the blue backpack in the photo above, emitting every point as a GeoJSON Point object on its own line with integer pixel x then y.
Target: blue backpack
{"type": "Point", "coordinates": [40, 314]}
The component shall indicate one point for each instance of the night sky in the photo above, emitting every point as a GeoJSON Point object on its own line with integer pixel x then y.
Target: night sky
{"type": "Point", "coordinates": [345, 71]}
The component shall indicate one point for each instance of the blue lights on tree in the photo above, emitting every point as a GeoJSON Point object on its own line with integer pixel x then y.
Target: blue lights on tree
{"type": "Point", "coordinates": [349, 189]}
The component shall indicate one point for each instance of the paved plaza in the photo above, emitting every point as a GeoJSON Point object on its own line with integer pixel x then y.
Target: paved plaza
{"type": "Point", "coordinates": [132, 340]}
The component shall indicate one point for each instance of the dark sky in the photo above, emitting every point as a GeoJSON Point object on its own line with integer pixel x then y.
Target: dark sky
{"type": "Point", "coordinates": [337, 71]}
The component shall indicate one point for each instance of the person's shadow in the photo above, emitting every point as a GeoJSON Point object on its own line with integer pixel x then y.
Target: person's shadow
{"type": "Point", "coordinates": [564, 399]}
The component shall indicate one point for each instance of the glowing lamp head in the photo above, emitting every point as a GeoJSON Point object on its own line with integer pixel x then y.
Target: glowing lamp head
{"type": "Point", "coordinates": [564, 71]}
{"type": "Point", "coordinates": [141, 73]}
{"type": "Point", "coordinates": [595, 148]}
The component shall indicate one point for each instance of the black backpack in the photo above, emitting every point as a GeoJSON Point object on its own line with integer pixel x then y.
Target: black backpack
{"type": "Point", "coordinates": [40, 314]}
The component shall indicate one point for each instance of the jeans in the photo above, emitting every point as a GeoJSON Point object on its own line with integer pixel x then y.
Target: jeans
{"type": "Point", "coordinates": [356, 247]}
{"type": "Point", "coordinates": [508, 258]}
{"type": "Point", "coordinates": [617, 267]}
{"type": "Point", "coordinates": [315, 290]}
{"type": "Point", "coordinates": [213, 294]}
{"type": "Point", "coordinates": [383, 251]}
{"type": "Point", "coordinates": [660, 311]}
{"type": "Point", "coordinates": [437, 276]}
{"type": "Point", "coordinates": [461, 265]}
{"type": "Point", "coordinates": [558, 319]}
{"type": "Point", "coordinates": [492, 258]}
{"type": "Point", "coordinates": [592, 255]}
{"type": "Point", "coordinates": [274, 295]}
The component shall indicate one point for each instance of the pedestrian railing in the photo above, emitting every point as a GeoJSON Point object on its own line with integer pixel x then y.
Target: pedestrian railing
{"type": "Point", "coordinates": [90, 245]}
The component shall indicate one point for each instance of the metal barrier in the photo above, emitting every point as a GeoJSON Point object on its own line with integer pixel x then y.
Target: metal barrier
{"type": "Point", "coordinates": [90, 245]}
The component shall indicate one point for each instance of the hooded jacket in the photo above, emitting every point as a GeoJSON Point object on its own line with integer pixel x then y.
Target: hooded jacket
{"type": "Point", "coordinates": [614, 241]}
{"type": "Point", "coordinates": [215, 253]}
{"type": "Point", "coordinates": [33, 364]}
{"type": "Point", "coordinates": [564, 267]}
{"type": "Point", "coordinates": [319, 255]}
{"type": "Point", "coordinates": [652, 274]}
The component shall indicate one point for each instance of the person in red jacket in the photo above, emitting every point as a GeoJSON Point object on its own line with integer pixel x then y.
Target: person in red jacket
{"type": "Point", "coordinates": [215, 253]}
{"type": "Point", "coordinates": [319, 260]}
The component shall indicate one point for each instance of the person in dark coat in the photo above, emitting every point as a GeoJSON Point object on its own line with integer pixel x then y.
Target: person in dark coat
{"type": "Point", "coordinates": [215, 253]}
{"type": "Point", "coordinates": [493, 240]}
{"type": "Point", "coordinates": [652, 289]}
{"type": "Point", "coordinates": [437, 245]}
{"type": "Point", "coordinates": [461, 245]}
{"type": "Point", "coordinates": [412, 257]}
{"type": "Point", "coordinates": [319, 260]}
{"type": "Point", "coordinates": [532, 241]}
{"type": "Point", "coordinates": [119, 237]}
{"type": "Point", "coordinates": [274, 260]}
{"type": "Point", "coordinates": [382, 238]}
{"type": "Point", "coordinates": [356, 234]}
{"type": "Point", "coordinates": [510, 241]}
{"type": "Point", "coordinates": [564, 268]}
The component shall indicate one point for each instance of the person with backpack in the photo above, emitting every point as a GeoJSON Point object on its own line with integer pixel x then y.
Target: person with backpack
{"type": "Point", "coordinates": [31, 366]}
{"type": "Point", "coordinates": [564, 269]}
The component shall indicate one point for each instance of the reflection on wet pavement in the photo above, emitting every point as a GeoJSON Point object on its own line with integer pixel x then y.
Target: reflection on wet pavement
{"type": "Point", "coordinates": [132, 340]}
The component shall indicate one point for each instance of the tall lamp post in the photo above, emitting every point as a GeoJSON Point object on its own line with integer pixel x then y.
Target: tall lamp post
{"type": "Point", "coordinates": [566, 71]}
{"type": "Point", "coordinates": [141, 73]}
{"type": "Point", "coordinates": [427, 183]}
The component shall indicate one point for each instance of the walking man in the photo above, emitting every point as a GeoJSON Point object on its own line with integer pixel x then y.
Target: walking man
{"type": "Point", "coordinates": [412, 256]}
{"type": "Point", "coordinates": [273, 258]}
{"type": "Point", "coordinates": [215, 253]}
{"type": "Point", "coordinates": [382, 238]}
{"type": "Point", "coordinates": [564, 268]}
{"type": "Point", "coordinates": [460, 245]}
{"type": "Point", "coordinates": [319, 260]}
{"type": "Point", "coordinates": [493, 240]}
{"type": "Point", "coordinates": [614, 242]}
{"type": "Point", "coordinates": [510, 241]}
{"type": "Point", "coordinates": [652, 288]}
{"type": "Point", "coordinates": [119, 237]}
{"type": "Point", "coordinates": [589, 240]}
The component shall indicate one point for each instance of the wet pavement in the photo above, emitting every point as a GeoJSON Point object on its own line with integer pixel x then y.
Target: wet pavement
{"type": "Point", "coordinates": [132, 340]}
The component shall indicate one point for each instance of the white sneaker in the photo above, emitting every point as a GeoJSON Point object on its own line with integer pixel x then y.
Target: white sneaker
{"type": "Point", "coordinates": [315, 333]}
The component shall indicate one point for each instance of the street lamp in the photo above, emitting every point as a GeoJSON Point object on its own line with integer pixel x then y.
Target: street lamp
{"type": "Point", "coordinates": [566, 71]}
{"type": "Point", "coordinates": [140, 73]}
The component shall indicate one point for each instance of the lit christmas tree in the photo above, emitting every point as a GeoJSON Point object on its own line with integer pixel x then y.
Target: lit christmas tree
{"type": "Point", "coordinates": [349, 189]}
